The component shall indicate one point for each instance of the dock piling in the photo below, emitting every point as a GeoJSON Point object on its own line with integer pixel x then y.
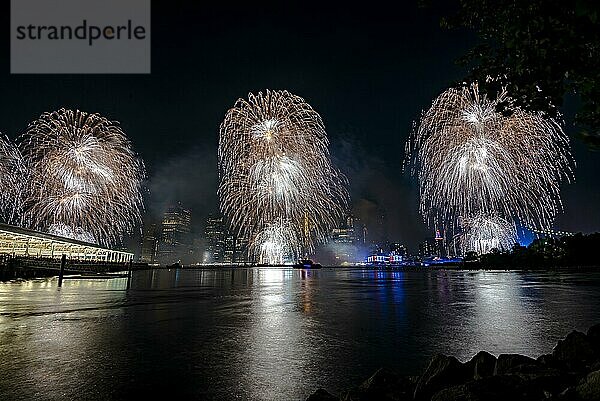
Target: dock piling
{"type": "Point", "coordinates": [63, 261]}
{"type": "Point", "coordinates": [129, 274]}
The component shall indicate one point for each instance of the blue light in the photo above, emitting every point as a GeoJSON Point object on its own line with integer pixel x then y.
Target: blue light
{"type": "Point", "coordinates": [525, 237]}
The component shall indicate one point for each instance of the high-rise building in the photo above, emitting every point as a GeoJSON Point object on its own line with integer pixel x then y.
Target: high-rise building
{"type": "Point", "coordinates": [214, 232]}
{"type": "Point", "coordinates": [236, 249]}
{"type": "Point", "coordinates": [362, 237]}
{"type": "Point", "coordinates": [222, 246]}
{"type": "Point", "coordinates": [440, 244]}
{"type": "Point", "coordinates": [344, 234]}
{"type": "Point", "coordinates": [397, 249]}
{"type": "Point", "coordinates": [149, 244]}
{"type": "Point", "coordinates": [427, 248]}
{"type": "Point", "coordinates": [240, 254]}
{"type": "Point", "coordinates": [175, 234]}
{"type": "Point", "coordinates": [344, 242]}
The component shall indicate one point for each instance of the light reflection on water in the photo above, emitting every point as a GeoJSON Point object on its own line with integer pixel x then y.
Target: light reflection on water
{"type": "Point", "coordinates": [270, 334]}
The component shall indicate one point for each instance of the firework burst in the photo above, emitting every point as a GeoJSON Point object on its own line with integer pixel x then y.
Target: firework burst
{"type": "Point", "coordinates": [12, 172]}
{"type": "Point", "coordinates": [483, 233]}
{"type": "Point", "coordinates": [275, 243]}
{"type": "Point", "coordinates": [472, 160]}
{"type": "Point", "coordinates": [277, 185]}
{"type": "Point", "coordinates": [84, 179]}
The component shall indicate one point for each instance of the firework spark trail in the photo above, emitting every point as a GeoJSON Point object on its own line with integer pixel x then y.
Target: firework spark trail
{"type": "Point", "coordinates": [472, 160]}
{"type": "Point", "coordinates": [84, 179]}
{"type": "Point", "coordinates": [277, 185]}
{"type": "Point", "coordinates": [276, 242]}
{"type": "Point", "coordinates": [12, 172]}
{"type": "Point", "coordinates": [483, 233]}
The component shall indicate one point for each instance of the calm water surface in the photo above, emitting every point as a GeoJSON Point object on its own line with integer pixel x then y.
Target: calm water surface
{"type": "Point", "coordinates": [270, 334]}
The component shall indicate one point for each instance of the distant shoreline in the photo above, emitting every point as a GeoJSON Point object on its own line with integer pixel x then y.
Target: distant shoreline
{"type": "Point", "coordinates": [390, 268]}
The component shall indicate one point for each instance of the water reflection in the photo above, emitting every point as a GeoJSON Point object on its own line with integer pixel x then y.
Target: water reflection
{"type": "Point", "coordinates": [46, 339]}
{"type": "Point", "coordinates": [270, 333]}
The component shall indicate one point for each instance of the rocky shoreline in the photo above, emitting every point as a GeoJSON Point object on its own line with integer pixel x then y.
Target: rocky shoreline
{"type": "Point", "coordinates": [570, 373]}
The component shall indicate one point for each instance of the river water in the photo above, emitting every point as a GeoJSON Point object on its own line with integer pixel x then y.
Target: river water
{"type": "Point", "coordinates": [267, 333]}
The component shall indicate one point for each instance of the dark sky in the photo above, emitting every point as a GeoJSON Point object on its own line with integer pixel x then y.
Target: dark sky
{"type": "Point", "coordinates": [368, 69]}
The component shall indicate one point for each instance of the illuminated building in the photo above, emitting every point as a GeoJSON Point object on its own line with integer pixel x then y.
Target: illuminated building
{"type": "Point", "coordinates": [398, 249]}
{"type": "Point", "coordinates": [21, 242]}
{"type": "Point", "coordinates": [174, 239]}
{"type": "Point", "coordinates": [344, 242]}
{"type": "Point", "coordinates": [345, 234]}
{"type": "Point", "coordinates": [427, 248]}
{"type": "Point", "coordinates": [149, 244]}
{"type": "Point", "coordinates": [215, 239]}
{"type": "Point", "coordinates": [383, 259]}
{"type": "Point", "coordinates": [222, 245]}
{"type": "Point", "coordinates": [390, 254]}
{"type": "Point", "coordinates": [434, 247]}
{"type": "Point", "coordinates": [236, 249]}
{"type": "Point", "coordinates": [378, 259]}
{"type": "Point", "coordinates": [440, 244]}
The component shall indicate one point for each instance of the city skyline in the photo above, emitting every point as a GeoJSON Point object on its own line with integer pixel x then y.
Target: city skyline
{"type": "Point", "coordinates": [348, 243]}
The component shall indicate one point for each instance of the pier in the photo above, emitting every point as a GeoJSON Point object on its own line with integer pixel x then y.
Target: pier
{"type": "Point", "coordinates": [27, 254]}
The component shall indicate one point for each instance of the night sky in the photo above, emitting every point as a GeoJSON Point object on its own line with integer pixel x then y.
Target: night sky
{"type": "Point", "coordinates": [369, 71]}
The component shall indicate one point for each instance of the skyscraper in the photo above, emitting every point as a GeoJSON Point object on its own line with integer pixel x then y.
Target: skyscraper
{"type": "Point", "coordinates": [236, 249]}
{"type": "Point", "coordinates": [440, 244]}
{"type": "Point", "coordinates": [397, 249]}
{"type": "Point", "coordinates": [427, 248]}
{"type": "Point", "coordinates": [175, 234]}
{"type": "Point", "coordinates": [222, 245]}
{"type": "Point", "coordinates": [215, 239]}
{"type": "Point", "coordinates": [344, 234]}
{"type": "Point", "coordinates": [344, 242]}
{"type": "Point", "coordinates": [149, 243]}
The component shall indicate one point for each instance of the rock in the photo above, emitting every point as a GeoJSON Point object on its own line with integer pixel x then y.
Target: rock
{"type": "Point", "coordinates": [568, 394]}
{"type": "Point", "coordinates": [510, 363]}
{"type": "Point", "coordinates": [322, 395]}
{"type": "Point", "coordinates": [546, 360]}
{"type": "Point", "coordinates": [549, 361]}
{"type": "Point", "coordinates": [388, 384]}
{"type": "Point", "coordinates": [443, 371]}
{"type": "Point", "coordinates": [457, 393]}
{"type": "Point", "coordinates": [483, 365]}
{"type": "Point", "coordinates": [589, 387]}
{"type": "Point", "coordinates": [493, 388]}
{"type": "Point", "coordinates": [509, 377]}
{"type": "Point", "coordinates": [385, 384]}
{"type": "Point", "coordinates": [350, 395]}
{"type": "Point", "coordinates": [576, 350]}
{"type": "Point", "coordinates": [546, 381]}
{"type": "Point", "coordinates": [595, 366]}
{"type": "Point", "coordinates": [593, 333]}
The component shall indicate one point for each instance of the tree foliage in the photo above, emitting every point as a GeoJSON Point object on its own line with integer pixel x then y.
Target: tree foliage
{"type": "Point", "coordinates": [541, 50]}
{"type": "Point", "coordinates": [570, 251]}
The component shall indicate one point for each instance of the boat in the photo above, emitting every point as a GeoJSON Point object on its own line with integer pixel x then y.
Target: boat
{"type": "Point", "coordinates": [307, 264]}
{"type": "Point", "coordinates": [175, 265]}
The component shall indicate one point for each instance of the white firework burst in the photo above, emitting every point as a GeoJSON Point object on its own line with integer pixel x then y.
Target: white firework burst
{"type": "Point", "coordinates": [483, 233]}
{"type": "Point", "coordinates": [277, 184]}
{"type": "Point", "coordinates": [84, 180]}
{"type": "Point", "coordinates": [12, 179]}
{"type": "Point", "coordinates": [472, 160]}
